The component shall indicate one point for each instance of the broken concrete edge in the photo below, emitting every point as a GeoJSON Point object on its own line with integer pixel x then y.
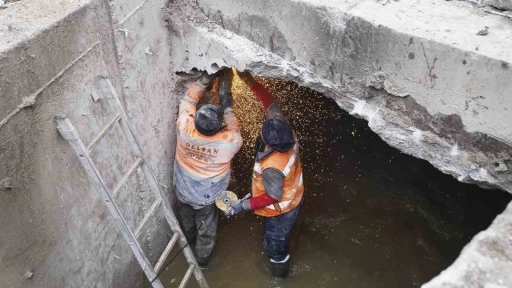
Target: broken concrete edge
{"type": "Point", "coordinates": [233, 50]}
{"type": "Point", "coordinates": [485, 262]}
{"type": "Point", "coordinates": [23, 20]}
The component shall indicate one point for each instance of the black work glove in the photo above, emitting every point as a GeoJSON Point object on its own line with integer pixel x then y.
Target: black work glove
{"type": "Point", "coordinates": [225, 96]}
{"type": "Point", "coordinates": [226, 101]}
{"type": "Point", "coordinates": [206, 78]}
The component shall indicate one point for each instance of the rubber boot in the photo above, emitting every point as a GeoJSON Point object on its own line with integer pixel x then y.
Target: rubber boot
{"type": "Point", "coordinates": [280, 269]}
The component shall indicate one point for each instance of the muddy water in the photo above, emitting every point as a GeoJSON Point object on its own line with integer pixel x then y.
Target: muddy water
{"type": "Point", "coordinates": [372, 216]}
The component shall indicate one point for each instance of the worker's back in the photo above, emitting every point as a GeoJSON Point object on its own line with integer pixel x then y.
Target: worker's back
{"type": "Point", "coordinates": [203, 163]}
{"type": "Point", "coordinates": [206, 156]}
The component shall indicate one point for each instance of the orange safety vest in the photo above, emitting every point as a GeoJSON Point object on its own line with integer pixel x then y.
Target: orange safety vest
{"type": "Point", "coordinates": [205, 156]}
{"type": "Point", "coordinates": [293, 188]}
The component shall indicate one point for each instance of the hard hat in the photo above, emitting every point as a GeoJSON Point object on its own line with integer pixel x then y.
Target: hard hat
{"type": "Point", "coordinates": [278, 134]}
{"type": "Point", "coordinates": [208, 120]}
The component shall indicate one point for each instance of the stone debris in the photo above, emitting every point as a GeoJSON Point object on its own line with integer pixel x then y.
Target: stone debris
{"type": "Point", "coordinates": [6, 184]}
{"type": "Point", "coordinates": [500, 167]}
{"type": "Point", "coordinates": [28, 275]}
{"type": "Point", "coordinates": [483, 32]}
{"type": "Point", "coordinates": [379, 81]}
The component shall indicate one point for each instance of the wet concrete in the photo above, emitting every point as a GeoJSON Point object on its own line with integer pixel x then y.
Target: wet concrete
{"type": "Point", "coordinates": [372, 216]}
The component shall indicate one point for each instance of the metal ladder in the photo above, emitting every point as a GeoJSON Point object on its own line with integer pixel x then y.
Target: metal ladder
{"type": "Point", "coordinates": [68, 131]}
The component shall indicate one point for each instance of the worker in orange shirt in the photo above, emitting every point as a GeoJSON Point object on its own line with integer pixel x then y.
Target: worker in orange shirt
{"type": "Point", "coordinates": [277, 187]}
{"type": "Point", "coordinates": [207, 139]}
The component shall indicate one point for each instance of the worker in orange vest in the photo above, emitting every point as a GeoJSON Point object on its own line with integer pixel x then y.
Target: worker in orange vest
{"type": "Point", "coordinates": [207, 140]}
{"type": "Point", "coordinates": [277, 187]}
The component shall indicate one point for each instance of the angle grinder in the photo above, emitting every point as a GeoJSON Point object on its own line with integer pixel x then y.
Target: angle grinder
{"type": "Point", "coordinates": [228, 198]}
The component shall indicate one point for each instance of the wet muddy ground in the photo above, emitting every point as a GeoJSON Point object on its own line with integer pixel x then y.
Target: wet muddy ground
{"type": "Point", "coordinates": [372, 216]}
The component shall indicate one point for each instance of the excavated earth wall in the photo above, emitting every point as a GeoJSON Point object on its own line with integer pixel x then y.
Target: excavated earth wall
{"type": "Point", "coordinates": [416, 70]}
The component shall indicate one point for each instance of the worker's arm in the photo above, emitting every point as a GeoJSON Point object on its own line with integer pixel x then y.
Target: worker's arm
{"type": "Point", "coordinates": [187, 108]}
{"type": "Point", "coordinates": [273, 180]}
{"type": "Point", "coordinates": [226, 104]}
{"type": "Point", "coordinates": [233, 126]}
{"type": "Point", "coordinates": [264, 96]}
{"type": "Point", "coordinates": [231, 120]}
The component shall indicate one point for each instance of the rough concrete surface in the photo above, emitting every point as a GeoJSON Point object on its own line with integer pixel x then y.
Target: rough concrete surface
{"type": "Point", "coordinates": [485, 262]}
{"type": "Point", "coordinates": [56, 231]}
{"type": "Point", "coordinates": [417, 71]}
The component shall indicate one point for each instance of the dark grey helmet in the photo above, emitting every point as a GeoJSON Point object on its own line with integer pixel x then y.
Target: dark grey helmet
{"type": "Point", "coordinates": [208, 120]}
{"type": "Point", "coordinates": [278, 134]}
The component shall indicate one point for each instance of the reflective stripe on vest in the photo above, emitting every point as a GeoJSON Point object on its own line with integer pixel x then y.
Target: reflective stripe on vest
{"type": "Point", "coordinates": [286, 170]}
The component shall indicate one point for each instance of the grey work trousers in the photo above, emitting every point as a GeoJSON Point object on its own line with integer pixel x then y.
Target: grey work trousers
{"type": "Point", "coordinates": [206, 233]}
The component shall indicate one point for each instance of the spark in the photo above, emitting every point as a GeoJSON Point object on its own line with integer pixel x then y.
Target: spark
{"type": "Point", "coordinates": [306, 110]}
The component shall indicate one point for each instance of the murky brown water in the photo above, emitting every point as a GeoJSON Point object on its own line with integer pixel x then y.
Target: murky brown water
{"type": "Point", "coordinates": [372, 216]}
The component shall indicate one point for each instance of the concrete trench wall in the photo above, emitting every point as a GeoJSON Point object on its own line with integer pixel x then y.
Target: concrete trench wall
{"type": "Point", "coordinates": [55, 228]}
{"type": "Point", "coordinates": [415, 70]}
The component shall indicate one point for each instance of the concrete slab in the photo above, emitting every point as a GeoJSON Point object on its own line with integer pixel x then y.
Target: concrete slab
{"type": "Point", "coordinates": [463, 92]}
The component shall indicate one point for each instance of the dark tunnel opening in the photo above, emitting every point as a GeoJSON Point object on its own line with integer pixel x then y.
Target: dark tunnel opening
{"type": "Point", "coordinates": [372, 216]}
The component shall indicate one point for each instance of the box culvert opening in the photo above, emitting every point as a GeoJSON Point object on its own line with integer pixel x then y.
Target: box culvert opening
{"type": "Point", "coordinates": [372, 216]}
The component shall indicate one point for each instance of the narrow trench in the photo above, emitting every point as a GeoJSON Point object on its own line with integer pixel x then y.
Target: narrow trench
{"type": "Point", "coordinates": [372, 216]}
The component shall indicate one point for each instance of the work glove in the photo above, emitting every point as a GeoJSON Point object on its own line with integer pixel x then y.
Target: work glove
{"type": "Point", "coordinates": [206, 78]}
{"type": "Point", "coordinates": [237, 208]}
{"type": "Point", "coordinates": [225, 96]}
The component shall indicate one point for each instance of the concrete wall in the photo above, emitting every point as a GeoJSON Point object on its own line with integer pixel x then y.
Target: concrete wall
{"type": "Point", "coordinates": [56, 231]}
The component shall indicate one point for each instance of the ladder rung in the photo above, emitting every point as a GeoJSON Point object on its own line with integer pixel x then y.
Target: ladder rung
{"type": "Point", "coordinates": [146, 217]}
{"type": "Point", "coordinates": [187, 276]}
{"type": "Point", "coordinates": [127, 176]}
{"type": "Point", "coordinates": [103, 132]}
{"type": "Point", "coordinates": [166, 252]}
